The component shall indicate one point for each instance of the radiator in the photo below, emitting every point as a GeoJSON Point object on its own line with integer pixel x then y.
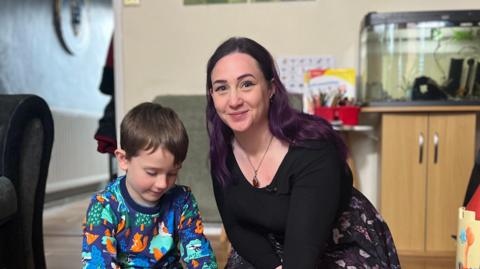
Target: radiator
{"type": "Point", "coordinates": [75, 162]}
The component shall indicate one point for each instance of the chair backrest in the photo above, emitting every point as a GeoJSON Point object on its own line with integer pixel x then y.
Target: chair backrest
{"type": "Point", "coordinates": [26, 139]}
{"type": "Point", "coordinates": [195, 172]}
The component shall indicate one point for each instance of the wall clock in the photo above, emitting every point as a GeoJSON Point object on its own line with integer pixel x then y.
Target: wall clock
{"type": "Point", "coordinates": [71, 24]}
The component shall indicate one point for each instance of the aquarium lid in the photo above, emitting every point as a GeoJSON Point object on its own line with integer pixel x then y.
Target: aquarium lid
{"type": "Point", "coordinates": [454, 17]}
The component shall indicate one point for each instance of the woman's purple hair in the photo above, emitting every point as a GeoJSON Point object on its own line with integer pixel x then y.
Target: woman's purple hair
{"type": "Point", "coordinates": [285, 123]}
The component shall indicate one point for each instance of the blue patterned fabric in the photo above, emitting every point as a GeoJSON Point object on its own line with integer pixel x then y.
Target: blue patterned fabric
{"type": "Point", "coordinates": [118, 233]}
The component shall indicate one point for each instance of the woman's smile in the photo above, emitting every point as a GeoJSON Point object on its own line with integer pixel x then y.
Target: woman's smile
{"type": "Point", "coordinates": [238, 116]}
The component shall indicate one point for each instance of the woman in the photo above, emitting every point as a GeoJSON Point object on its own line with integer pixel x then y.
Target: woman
{"type": "Point", "coordinates": [281, 182]}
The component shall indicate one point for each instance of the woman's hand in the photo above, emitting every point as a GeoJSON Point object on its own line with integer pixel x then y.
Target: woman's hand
{"type": "Point", "coordinates": [278, 267]}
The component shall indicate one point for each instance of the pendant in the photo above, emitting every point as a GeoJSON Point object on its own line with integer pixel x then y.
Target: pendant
{"type": "Point", "coordinates": [255, 181]}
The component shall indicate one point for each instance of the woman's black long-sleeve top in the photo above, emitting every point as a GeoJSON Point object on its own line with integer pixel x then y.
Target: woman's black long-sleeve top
{"type": "Point", "coordinates": [309, 190]}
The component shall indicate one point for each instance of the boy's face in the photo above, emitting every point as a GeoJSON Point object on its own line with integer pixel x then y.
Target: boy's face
{"type": "Point", "coordinates": [149, 174]}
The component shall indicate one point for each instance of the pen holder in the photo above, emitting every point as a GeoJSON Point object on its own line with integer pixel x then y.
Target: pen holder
{"type": "Point", "coordinates": [326, 112]}
{"type": "Point", "coordinates": [468, 240]}
{"type": "Point", "coordinates": [348, 114]}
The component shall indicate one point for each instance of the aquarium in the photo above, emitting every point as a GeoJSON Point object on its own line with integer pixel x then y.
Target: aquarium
{"type": "Point", "coordinates": [420, 58]}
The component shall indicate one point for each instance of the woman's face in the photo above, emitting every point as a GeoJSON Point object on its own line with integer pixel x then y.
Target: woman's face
{"type": "Point", "coordinates": [240, 92]}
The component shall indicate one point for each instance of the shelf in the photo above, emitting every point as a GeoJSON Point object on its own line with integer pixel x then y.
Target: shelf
{"type": "Point", "coordinates": [389, 109]}
{"type": "Point", "coordinates": [432, 255]}
{"type": "Point", "coordinates": [355, 128]}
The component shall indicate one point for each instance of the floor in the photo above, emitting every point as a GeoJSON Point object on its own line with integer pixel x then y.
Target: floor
{"type": "Point", "coordinates": [62, 238]}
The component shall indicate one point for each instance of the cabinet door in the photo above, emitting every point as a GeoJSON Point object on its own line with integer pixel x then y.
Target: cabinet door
{"type": "Point", "coordinates": [403, 178]}
{"type": "Point", "coordinates": [451, 156]}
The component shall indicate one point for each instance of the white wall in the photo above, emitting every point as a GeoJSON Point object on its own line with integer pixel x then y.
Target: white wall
{"type": "Point", "coordinates": [32, 59]}
{"type": "Point", "coordinates": [163, 46]}
{"type": "Point", "coordinates": [166, 44]}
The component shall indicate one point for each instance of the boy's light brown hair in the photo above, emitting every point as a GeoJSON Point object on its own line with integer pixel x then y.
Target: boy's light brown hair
{"type": "Point", "coordinates": [148, 126]}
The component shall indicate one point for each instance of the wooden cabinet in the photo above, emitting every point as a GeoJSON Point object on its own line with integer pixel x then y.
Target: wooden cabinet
{"type": "Point", "coordinates": [426, 160]}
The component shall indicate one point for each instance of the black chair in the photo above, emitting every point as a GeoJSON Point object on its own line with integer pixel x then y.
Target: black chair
{"type": "Point", "coordinates": [26, 138]}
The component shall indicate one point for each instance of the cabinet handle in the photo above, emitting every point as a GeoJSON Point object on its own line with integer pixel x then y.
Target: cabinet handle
{"type": "Point", "coordinates": [436, 141]}
{"type": "Point", "coordinates": [420, 147]}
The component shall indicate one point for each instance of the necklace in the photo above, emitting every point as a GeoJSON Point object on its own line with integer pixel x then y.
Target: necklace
{"type": "Point", "coordinates": [255, 171]}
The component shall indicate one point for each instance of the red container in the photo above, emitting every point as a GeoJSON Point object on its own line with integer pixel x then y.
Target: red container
{"type": "Point", "coordinates": [348, 114]}
{"type": "Point", "coordinates": [474, 204]}
{"type": "Point", "coordinates": [326, 112]}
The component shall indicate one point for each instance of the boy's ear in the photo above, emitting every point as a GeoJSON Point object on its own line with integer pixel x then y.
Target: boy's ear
{"type": "Point", "coordinates": [121, 156]}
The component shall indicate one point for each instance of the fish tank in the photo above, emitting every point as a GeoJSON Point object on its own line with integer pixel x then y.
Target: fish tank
{"type": "Point", "coordinates": [420, 58]}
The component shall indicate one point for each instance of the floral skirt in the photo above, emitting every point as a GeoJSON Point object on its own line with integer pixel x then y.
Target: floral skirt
{"type": "Point", "coordinates": [360, 239]}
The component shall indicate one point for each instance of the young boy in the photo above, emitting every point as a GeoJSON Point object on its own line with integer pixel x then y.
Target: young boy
{"type": "Point", "coordinates": [142, 219]}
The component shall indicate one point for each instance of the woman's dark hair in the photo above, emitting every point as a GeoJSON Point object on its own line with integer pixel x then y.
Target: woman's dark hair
{"type": "Point", "coordinates": [285, 123]}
